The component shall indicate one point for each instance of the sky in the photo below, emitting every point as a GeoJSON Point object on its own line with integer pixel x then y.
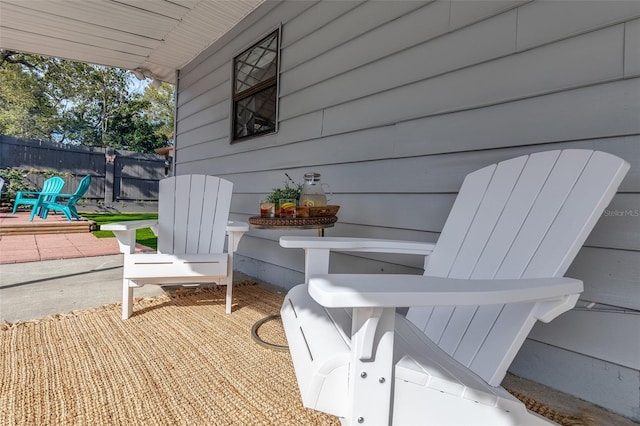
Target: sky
{"type": "Point", "coordinates": [137, 86]}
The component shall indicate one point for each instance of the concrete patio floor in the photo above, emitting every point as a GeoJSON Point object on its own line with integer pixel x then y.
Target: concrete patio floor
{"type": "Point", "coordinates": [42, 275]}
{"type": "Point", "coordinates": [35, 290]}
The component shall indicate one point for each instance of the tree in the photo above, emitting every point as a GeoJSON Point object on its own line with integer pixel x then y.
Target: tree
{"type": "Point", "coordinates": [72, 102]}
{"type": "Point", "coordinates": [161, 107]}
{"type": "Point", "coordinates": [25, 109]}
{"type": "Point", "coordinates": [132, 129]}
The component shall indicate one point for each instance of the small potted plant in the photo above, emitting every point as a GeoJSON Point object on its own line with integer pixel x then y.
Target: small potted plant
{"type": "Point", "coordinates": [290, 191]}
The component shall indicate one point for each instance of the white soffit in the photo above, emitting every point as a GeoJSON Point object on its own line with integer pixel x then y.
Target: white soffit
{"type": "Point", "coordinates": [157, 36]}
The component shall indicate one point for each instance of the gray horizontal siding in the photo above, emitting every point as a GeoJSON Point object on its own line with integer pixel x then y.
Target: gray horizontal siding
{"type": "Point", "coordinates": [631, 48]}
{"type": "Point", "coordinates": [564, 116]}
{"type": "Point", "coordinates": [395, 102]}
{"type": "Point", "coordinates": [513, 77]}
{"type": "Point", "coordinates": [544, 22]}
{"type": "Point", "coordinates": [341, 44]}
{"type": "Point", "coordinates": [591, 379]}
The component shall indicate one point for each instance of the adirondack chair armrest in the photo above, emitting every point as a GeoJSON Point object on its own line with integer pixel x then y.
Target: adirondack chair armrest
{"type": "Point", "coordinates": [53, 195]}
{"type": "Point", "coordinates": [233, 226]}
{"type": "Point", "coordinates": [57, 194]}
{"type": "Point", "coordinates": [370, 245]}
{"type": "Point", "coordinates": [392, 290]}
{"type": "Point", "coordinates": [129, 225]}
{"type": "Point", "coordinates": [29, 192]}
{"type": "Point", "coordinates": [125, 232]}
{"type": "Point", "coordinates": [235, 231]}
{"type": "Point", "coordinates": [317, 249]}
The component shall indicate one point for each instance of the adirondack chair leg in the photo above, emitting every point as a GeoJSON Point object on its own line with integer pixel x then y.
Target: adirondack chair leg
{"type": "Point", "coordinates": [34, 210]}
{"type": "Point", "coordinates": [67, 215]}
{"type": "Point", "coordinates": [229, 292]}
{"type": "Point", "coordinates": [127, 299]}
{"type": "Point", "coordinates": [126, 241]}
{"type": "Point", "coordinates": [371, 377]}
{"type": "Point", "coordinates": [229, 278]}
{"type": "Point", "coordinates": [74, 212]}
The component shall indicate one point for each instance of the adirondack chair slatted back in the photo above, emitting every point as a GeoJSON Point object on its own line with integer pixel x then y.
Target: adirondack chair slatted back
{"type": "Point", "coordinates": [61, 203]}
{"type": "Point", "coordinates": [193, 211]}
{"type": "Point", "coordinates": [522, 218]}
{"type": "Point", "coordinates": [83, 187]}
{"type": "Point", "coordinates": [53, 184]}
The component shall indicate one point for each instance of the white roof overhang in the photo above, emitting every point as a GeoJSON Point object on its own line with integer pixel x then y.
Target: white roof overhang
{"type": "Point", "coordinates": [154, 37]}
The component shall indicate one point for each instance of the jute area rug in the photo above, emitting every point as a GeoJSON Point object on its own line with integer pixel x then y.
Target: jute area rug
{"type": "Point", "coordinates": [179, 360]}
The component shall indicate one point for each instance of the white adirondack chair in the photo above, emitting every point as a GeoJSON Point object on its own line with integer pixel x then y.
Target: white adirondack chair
{"type": "Point", "coordinates": [193, 213]}
{"type": "Point", "coordinates": [496, 269]}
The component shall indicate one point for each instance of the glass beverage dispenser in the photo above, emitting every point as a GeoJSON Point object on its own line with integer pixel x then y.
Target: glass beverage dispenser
{"type": "Point", "coordinates": [312, 194]}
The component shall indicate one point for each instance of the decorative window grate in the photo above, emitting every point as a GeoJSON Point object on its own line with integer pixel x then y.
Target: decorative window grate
{"type": "Point", "coordinates": [255, 89]}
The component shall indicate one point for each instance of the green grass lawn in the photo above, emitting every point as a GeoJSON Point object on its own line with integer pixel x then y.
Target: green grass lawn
{"type": "Point", "coordinates": [144, 236]}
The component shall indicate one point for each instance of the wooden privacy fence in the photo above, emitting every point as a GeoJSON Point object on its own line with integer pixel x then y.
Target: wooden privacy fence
{"type": "Point", "coordinates": [116, 176]}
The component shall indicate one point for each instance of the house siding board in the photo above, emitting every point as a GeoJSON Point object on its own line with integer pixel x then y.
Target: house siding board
{"type": "Point", "coordinates": [217, 81]}
{"type": "Point", "coordinates": [509, 78]}
{"type": "Point", "coordinates": [208, 97]}
{"type": "Point", "coordinates": [467, 12]}
{"type": "Point", "coordinates": [569, 115]}
{"type": "Point", "coordinates": [632, 48]}
{"type": "Point", "coordinates": [618, 226]}
{"type": "Point", "coordinates": [345, 42]}
{"type": "Point", "coordinates": [197, 137]}
{"type": "Point", "coordinates": [213, 113]}
{"type": "Point", "coordinates": [395, 115]}
{"type": "Point", "coordinates": [204, 145]}
{"type": "Point", "coordinates": [543, 22]}
{"type": "Point", "coordinates": [317, 15]}
{"type": "Point", "coordinates": [303, 127]}
{"type": "Point", "coordinates": [610, 276]}
{"type": "Point", "coordinates": [408, 65]}
{"type": "Point", "coordinates": [335, 157]}
{"type": "Point", "coordinates": [520, 124]}
{"type": "Point", "coordinates": [586, 377]}
{"type": "Point", "coordinates": [274, 154]}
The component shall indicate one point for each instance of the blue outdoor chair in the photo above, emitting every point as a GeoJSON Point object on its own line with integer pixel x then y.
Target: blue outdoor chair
{"type": "Point", "coordinates": [56, 202]}
{"type": "Point", "coordinates": [51, 187]}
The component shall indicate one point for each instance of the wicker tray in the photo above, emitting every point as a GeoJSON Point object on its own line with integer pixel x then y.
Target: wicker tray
{"type": "Point", "coordinates": [292, 221]}
{"type": "Point", "coordinates": [317, 211]}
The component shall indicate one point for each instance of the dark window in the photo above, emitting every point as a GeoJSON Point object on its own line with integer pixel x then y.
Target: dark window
{"type": "Point", "coordinates": [255, 89]}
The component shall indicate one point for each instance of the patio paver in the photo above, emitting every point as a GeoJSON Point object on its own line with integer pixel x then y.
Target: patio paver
{"type": "Point", "coordinates": [34, 248]}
